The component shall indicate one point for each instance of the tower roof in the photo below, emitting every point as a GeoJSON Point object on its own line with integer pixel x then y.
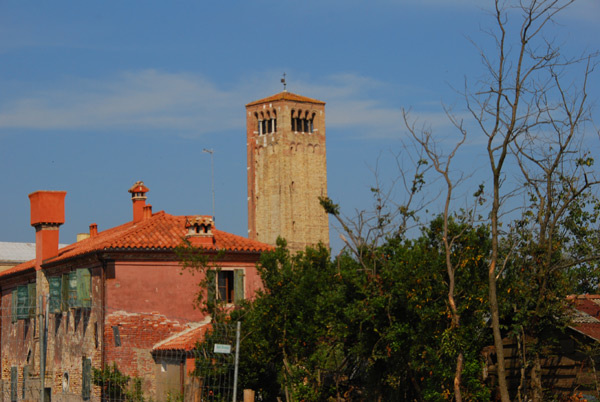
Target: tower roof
{"type": "Point", "coordinates": [286, 96]}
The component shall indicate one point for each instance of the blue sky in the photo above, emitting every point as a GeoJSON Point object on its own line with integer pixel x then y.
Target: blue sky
{"type": "Point", "coordinates": [97, 95]}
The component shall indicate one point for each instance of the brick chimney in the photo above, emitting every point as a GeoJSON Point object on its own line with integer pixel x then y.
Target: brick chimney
{"type": "Point", "coordinates": [147, 211]}
{"type": "Point", "coordinates": [93, 229]}
{"type": "Point", "coordinates": [47, 214]}
{"type": "Point", "coordinates": [138, 197]}
{"type": "Point", "coordinates": [199, 230]}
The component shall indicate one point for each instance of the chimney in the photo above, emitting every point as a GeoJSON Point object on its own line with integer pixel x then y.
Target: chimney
{"type": "Point", "coordinates": [47, 214]}
{"type": "Point", "coordinates": [138, 197]}
{"type": "Point", "coordinates": [93, 229]}
{"type": "Point", "coordinates": [199, 230]}
{"type": "Point", "coordinates": [147, 211]}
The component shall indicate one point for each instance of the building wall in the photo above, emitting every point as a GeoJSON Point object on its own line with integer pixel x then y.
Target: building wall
{"type": "Point", "coordinates": [287, 173]}
{"type": "Point", "coordinates": [72, 335]}
{"type": "Point", "coordinates": [146, 303]}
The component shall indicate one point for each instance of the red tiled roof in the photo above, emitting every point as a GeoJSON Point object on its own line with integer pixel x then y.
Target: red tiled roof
{"type": "Point", "coordinates": [587, 315]}
{"type": "Point", "coordinates": [185, 340]}
{"type": "Point", "coordinates": [286, 96]}
{"type": "Point", "coordinates": [161, 231]}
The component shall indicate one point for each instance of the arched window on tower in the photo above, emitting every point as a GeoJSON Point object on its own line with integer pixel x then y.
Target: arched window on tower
{"type": "Point", "coordinates": [301, 122]}
{"type": "Point", "coordinates": [266, 124]}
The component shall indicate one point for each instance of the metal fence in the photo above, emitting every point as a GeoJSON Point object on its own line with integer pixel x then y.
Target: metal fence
{"type": "Point", "coordinates": [94, 353]}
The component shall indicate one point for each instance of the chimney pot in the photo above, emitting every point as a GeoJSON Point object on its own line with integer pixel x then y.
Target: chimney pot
{"type": "Point", "coordinates": [138, 197]}
{"type": "Point", "coordinates": [47, 207]}
{"type": "Point", "coordinates": [147, 211]}
{"type": "Point", "coordinates": [93, 229]}
{"type": "Point", "coordinates": [47, 214]}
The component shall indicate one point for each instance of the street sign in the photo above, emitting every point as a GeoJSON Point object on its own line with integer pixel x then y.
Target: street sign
{"type": "Point", "coordinates": [220, 348]}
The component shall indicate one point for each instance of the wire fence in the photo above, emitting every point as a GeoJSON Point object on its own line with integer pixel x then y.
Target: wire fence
{"type": "Point", "coordinates": [92, 353]}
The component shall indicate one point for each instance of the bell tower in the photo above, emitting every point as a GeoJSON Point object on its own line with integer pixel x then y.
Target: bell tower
{"type": "Point", "coordinates": [287, 170]}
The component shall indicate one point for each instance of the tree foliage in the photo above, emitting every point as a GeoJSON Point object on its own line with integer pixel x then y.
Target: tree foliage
{"type": "Point", "coordinates": [407, 317]}
{"type": "Point", "coordinates": [327, 328]}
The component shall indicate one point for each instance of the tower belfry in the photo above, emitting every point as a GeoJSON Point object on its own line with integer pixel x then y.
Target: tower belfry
{"type": "Point", "coordinates": [287, 170]}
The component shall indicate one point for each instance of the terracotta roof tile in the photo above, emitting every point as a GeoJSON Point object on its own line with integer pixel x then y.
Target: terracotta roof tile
{"type": "Point", "coordinates": [185, 340]}
{"type": "Point", "coordinates": [286, 96]}
{"type": "Point", "coordinates": [29, 265]}
{"type": "Point", "coordinates": [161, 231]}
{"type": "Point", "coordinates": [586, 318]}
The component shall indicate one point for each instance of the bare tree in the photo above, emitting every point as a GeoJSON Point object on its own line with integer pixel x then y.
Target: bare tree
{"type": "Point", "coordinates": [363, 233]}
{"type": "Point", "coordinates": [441, 164]}
{"type": "Point", "coordinates": [523, 95]}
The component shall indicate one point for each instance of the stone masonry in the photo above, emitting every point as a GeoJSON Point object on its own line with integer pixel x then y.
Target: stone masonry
{"type": "Point", "coordinates": [287, 170]}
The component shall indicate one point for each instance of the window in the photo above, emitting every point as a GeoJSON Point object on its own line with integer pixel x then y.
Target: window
{"type": "Point", "coordinates": [225, 286]}
{"type": "Point", "coordinates": [84, 284]}
{"type": "Point", "coordinates": [54, 283]}
{"type": "Point", "coordinates": [304, 125]}
{"type": "Point", "coordinates": [71, 290]}
{"type": "Point", "coordinates": [14, 379]}
{"type": "Point", "coordinates": [31, 295]}
{"type": "Point", "coordinates": [267, 125]}
{"type": "Point", "coordinates": [23, 302]}
{"type": "Point", "coordinates": [228, 285]}
{"type": "Point", "coordinates": [86, 381]}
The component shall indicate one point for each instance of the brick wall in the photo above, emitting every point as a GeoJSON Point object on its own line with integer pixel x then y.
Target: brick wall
{"type": "Point", "coordinates": [287, 172]}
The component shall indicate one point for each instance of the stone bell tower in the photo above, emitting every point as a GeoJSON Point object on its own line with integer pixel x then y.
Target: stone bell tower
{"type": "Point", "coordinates": [287, 170]}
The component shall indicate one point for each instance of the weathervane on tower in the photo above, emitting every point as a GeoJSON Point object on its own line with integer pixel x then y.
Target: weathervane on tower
{"type": "Point", "coordinates": [284, 83]}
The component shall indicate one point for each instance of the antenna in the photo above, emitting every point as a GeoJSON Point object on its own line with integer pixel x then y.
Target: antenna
{"type": "Point", "coordinates": [212, 177]}
{"type": "Point", "coordinates": [284, 83]}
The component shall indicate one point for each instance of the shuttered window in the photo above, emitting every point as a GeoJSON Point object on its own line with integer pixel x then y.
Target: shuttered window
{"type": "Point", "coordinates": [64, 299]}
{"type": "Point", "coordinates": [14, 380]}
{"type": "Point", "coordinates": [13, 307]}
{"type": "Point", "coordinates": [86, 381]}
{"type": "Point", "coordinates": [72, 294]}
{"type": "Point", "coordinates": [71, 290]}
{"type": "Point", "coordinates": [25, 379]}
{"type": "Point", "coordinates": [226, 285]}
{"type": "Point", "coordinates": [22, 302]}
{"type": "Point", "coordinates": [31, 296]}
{"type": "Point", "coordinates": [84, 283]}
{"type": "Point", "coordinates": [238, 285]}
{"type": "Point", "coordinates": [55, 283]}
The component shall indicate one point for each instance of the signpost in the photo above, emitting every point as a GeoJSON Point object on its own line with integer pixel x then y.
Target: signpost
{"type": "Point", "coordinates": [220, 348]}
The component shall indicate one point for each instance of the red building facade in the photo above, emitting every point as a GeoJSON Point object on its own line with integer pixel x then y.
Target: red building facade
{"type": "Point", "coordinates": [111, 298]}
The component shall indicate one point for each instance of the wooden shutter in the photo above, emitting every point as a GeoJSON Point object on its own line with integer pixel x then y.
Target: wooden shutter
{"type": "Point", "coordinates": [86, 381]}
{"type": "Point", "coordinates": [22, 302]}
{"type": "Point", "coordinates": [25, 379]}
{"type": "Point", "coordinates": [14, 380]}
{"type": "Point", "coordinates": [211, 286]}
{"type": "Point", "coordinates": [84, 282]}
{"type": "Point", "coordinates": [73, 302]}
{"type": "Point", "coordinates": [64, 297]}
{"type": "Point", "coordinates": [238, 285]}
{"type": "Point", "coordinates": [13, 309]}
{"type": "Point", "coordinates": [54, 283]}
{"type": "Point", "coordinates": [31, 290]}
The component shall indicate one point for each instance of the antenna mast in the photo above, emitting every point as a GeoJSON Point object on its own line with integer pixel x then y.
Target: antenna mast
{"type": "Point", "coordinates": [212, 177]}
{"type": "Point", "coordinates": [284, 83]}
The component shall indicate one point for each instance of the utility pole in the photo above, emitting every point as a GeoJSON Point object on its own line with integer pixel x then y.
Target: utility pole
{"type": "Point", "coordinates": [212, 177]}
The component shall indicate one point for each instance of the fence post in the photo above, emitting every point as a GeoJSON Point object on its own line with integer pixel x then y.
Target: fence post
{"type": "Point", "coordinates": [237, 358]}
